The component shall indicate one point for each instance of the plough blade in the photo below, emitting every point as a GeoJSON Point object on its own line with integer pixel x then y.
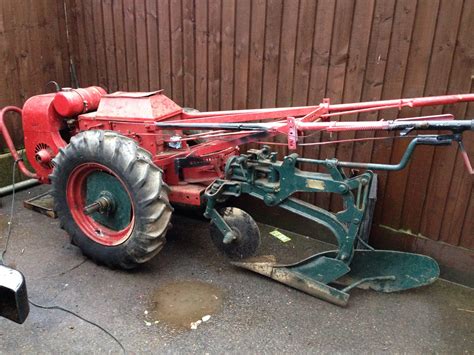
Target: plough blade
{"type": "Point", "coordinates": [379, 270]}
{"type": "Point", "coordinates": [409, 270]}
{"type": "Point", "coordinates": [311, 275]}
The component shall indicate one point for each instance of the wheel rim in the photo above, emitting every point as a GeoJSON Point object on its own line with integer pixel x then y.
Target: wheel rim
{"type": "Point", "coordinates": [86, 183]}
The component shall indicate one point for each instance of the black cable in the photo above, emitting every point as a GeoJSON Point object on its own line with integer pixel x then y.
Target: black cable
{"type": "Point", "coordinates": [10, 222]}
{"type": "Point", "coordinates": [59, 308]}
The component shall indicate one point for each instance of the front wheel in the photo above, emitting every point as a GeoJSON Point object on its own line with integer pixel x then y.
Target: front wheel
{"type": "Point", "coordinates": [110, 198]}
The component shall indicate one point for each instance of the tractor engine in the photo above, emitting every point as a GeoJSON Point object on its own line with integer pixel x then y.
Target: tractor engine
{"type": "Point", "coordinates": [50, 120]}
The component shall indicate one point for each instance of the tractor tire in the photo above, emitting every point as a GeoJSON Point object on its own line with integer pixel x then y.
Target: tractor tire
{"type": "Point", "coordinates": [132, 229]}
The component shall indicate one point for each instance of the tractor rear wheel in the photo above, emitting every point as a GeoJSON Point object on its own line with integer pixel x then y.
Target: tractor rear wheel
{"type": "Point", "coordinates": [111, 199]}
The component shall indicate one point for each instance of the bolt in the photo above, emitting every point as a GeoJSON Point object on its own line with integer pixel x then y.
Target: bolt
{"type": "Point", "coordinates": [342, 188]}
{"type": "Point", "coordinates": [269, 199]}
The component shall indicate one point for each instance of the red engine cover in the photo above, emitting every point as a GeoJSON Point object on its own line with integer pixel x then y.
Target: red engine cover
{"type": "Point", "coordinates": [41, 127]}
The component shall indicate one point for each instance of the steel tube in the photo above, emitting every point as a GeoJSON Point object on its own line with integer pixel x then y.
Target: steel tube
{"type": "Point", "coordinates": [21, 185]}
{"type": "Point", "coordinates": [9, 141]}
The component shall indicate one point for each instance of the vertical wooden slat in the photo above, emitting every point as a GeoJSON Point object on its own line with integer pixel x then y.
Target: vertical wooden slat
{"type": "Point", "coordinates": [455, 217]}
{"type": "Point", "coordinates": [397, 56]}
{"type": "Point", "coordinates": [142, 45]}
{"type": "Point", "coordinates": [164, 37]}
{"type": "Point", "coordinates": [152, 35]}
{"type": "Point", "coordinates": [188, 53]}
{"type": "Point", "coordinates": [257, 45]}
{"type": "Point", "coordinates": [241, 57]}
{"type": "Point", "coordinates": [130, 45]}
{"type": "Point", "coordinates": [467, 240]}
{"type": "Point", "coordinates": [201, 54]}
{"type": "Point", "coordinates": [227, 54]}
{"type": "Point", "coordinates": [271, 55]}
{"type": "Point", "coordinates": [337, 71]}
{"type": "Point", "coordinates": [78, 50]}
{"type": "Point", "coordinates": [286, 63]}
{"type": "Point", "coordinates": [110, 45]}
{"type": "Point", "coordinates": [214, 55]}
{"type": "Point", "coordinates": [99, 44]}
{"type": "Point", "coordinates": [305, 34]}
{"type": "Point", "coordinates": [320, 54]}
{"type": "Point", "coordinates": [62, 45]}
{"type": "Point", "coordinates": [176, 30]}
{"type": "Point", "coordinates": [362, 34]}
{"type": "Point", "coordinates": [120, 47]}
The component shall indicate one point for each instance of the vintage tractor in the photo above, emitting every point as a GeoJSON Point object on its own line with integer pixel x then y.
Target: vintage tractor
{"type": "Point", "coordinates": [119, 162]}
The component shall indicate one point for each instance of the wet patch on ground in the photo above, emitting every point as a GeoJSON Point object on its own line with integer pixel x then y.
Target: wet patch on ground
{"type": "Point", "coordinates": [179, 304]}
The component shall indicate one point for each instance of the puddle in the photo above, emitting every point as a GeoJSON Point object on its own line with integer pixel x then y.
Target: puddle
{"type": "Point", "coordinates": [180, 303]}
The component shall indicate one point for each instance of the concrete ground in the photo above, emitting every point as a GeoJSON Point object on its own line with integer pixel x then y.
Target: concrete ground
{"type": "Point", "coordinates": [248, 313]}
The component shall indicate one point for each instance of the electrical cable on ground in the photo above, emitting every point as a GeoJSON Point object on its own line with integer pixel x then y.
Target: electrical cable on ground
{"type": "Point", "coordinates": [10, 221]}
{"type": "Point", "coordinates": [2, 260]}
{"type": "Point", "coordinates": [59, 308]}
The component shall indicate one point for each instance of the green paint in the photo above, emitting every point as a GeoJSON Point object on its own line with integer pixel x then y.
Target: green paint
{"type": "Point", "coordinates": [100, 183]}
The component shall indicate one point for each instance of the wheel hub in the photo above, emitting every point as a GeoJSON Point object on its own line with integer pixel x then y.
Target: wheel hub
{"type": "Point", "coordinates": [107, 201]}
{"type": "Point", "coordinates": [105, 204]}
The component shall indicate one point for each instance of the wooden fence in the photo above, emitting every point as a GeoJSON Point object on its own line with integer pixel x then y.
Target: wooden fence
{"type": "Point", "coordinates": [223, 54]}
{"type": "Point", "coordinates": [33, 51]}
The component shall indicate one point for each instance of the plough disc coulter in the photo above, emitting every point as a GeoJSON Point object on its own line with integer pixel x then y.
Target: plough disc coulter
{"type": "Point", "coordinates": [119, 162]}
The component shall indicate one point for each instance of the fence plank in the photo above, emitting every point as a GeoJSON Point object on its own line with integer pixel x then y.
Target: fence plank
{"type": "Point", "coordinates": [337, 71]}
{"type": "Point", "coordinates": [201, 54]}
{"type": "Point", "coordinates": [241, 57]}
{"type": "Point", "coordinates": [109, 40]}
{"type": "Point", "coordinates": [256, 60]}
{"type": "Point", "coordinates": [189, 90]}
{"type": "Point", "coordinates": [395, 70]}
{"type": "Point", "coordinates": [153, 43]}
{"type": "Point", "coordinates": [227, 54]}
{"type": "Point", "coordinates": [214, 55]}
{"type": "Point", "coordinates": [164, 40]}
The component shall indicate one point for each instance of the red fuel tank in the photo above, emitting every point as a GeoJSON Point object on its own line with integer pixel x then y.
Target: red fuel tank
{"type": "Point", "coordinates": [71, 102]}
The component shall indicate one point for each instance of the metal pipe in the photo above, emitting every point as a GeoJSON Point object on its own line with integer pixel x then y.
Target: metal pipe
{"type": "Point", "coordinates": [6, 190]}
{"type": "Point", "coordinates": [419, 140]}
{"type": "Point", "coordinates": [9, 141]}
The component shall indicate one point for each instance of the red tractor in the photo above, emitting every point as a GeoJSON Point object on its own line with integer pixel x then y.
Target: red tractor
{"type": "Point", "coordinates": [119, 162]}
